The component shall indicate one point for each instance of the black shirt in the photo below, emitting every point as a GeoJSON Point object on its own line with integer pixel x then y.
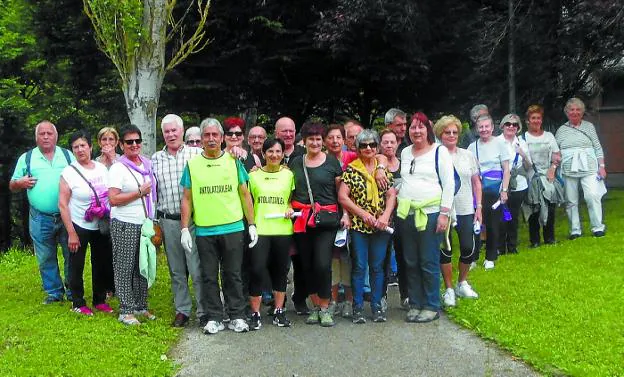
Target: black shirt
{"type": "Point", "coordinates": [298, 151]}
{"type": "Point", "coordinates": [322, 181]}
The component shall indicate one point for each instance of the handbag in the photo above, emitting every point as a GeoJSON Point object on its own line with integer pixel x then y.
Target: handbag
{"type": "Point", "coordinates": [101, 213]}
{"type": "Point", "coordinates": [323, 219]}
{"type": "Point", "coordinates": [492, 180]}
{"type": "Point", "coordinates": [513, 174]}
{"type": "Point", "coordinates": [157, 237]}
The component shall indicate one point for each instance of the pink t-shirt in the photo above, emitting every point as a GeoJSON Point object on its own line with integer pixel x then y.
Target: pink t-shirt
{"type": "Point", "coordinates": [347, 158]}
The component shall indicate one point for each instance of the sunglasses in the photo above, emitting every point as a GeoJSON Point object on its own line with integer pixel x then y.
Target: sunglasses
{"type": "Point", "coordinates": [372, 145]}
{"type": "Point", "coordinates": [234, 133]}
{"type": "Point", "coordinates": [511, 125]}
{"type": "Point", "coordinates": [132, 141]}
{"type": "Point", "coordinates": [193, 142]}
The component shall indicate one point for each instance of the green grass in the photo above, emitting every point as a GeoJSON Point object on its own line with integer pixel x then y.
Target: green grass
{"type": "Point", "coordinates": [557, 307]}
{"type": "Point", "coordinates": [52, 341]}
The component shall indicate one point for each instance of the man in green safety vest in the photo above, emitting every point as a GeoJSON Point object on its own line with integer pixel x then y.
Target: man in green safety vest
{"type": "Point", "coordinates": [215, 192]}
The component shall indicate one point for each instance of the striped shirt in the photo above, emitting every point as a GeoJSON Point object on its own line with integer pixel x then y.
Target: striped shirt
{"type": "Point", "coordinates": [584, 138]}
{"type": "Point", "coordinates": [168, 170]}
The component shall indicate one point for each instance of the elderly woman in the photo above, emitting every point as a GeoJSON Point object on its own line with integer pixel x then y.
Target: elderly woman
{"type": "Point", "coordinates": [582, 161]}
{"type": "Point", "coordinates": [520, 163]}
{"type": "Point", "coordinates": [83, 202]}
{"type": "Point", "coordinates": [371, 210]}
{"type": "Point", "coordinates": [108, 139]}
{"type": "Point", "coordinates": [316, 177]}
{"type": "Point", "coordinates": [132, 195]}
{"type": "Point", "coordinates": [192, 137]}
{"type": "Point", "coordinates": [424, 203]}
{"type": "Point", "coordinates": [466, 209]}
{"type": "Point", "coordinates": [234, 137]}
{"type": "Point", "coordinates": [493, 157]}
{"type": "Point", "coordinates": [545, 157]}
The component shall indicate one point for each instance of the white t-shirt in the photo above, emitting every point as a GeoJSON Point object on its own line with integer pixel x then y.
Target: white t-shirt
{"type": "Point", "coordinates": [422, 183]}
{"type": "Point", "coordinates": [81, 193]}
{"type": "Point", "coordinates": [521, 181]}
{"type": "Point", "coordinates": [490, 155]}
{"type": "Point", "coordinates": [467, 166]}
{"type": "Point", "coordinates": [541, 149]}
{"type": "Point", "coordinates": [119, 176]}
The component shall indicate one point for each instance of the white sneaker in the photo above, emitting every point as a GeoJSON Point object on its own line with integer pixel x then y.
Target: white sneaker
{"type": "Point", "coordinates": [473, 265]}
{"type": "Point", "coordinates": [213, 327]}
{"type": "Point", "coordinates": [405, 304]}
{"type": "Point", "coordinates": [464, 290]}
{"type": "Point", "coordinates": [449, 297]}
{"type": "Point", "coordinates": [238, 325]}
{"type": "Point", "coordinates": [488, 265]}
{"type": "Point", "coordinates": [384, 305]}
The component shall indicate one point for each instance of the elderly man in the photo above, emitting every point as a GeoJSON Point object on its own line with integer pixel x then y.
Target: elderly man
{"type": "Point", "coordinates": [285, 130]}
{"type": "Point", "coordinates": [256, 137]}
{"type": "Point", "coordinates": [215, 192]}
{"type": "Point", "coordinates": [38, 171]}
{"type": "Point", "coordinates": [168, 165]}
{"type": "Point", "coordinates": [352, 129]}
{"type": "Point", "coordinates": [396, 120]}
{"type": "Point", "coordinates": [472, 135]}
{"type": "Point", "coordinates": [192, 137]}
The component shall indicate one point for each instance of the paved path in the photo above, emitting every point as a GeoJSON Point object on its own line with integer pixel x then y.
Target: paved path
{"type": "Point", "coordinates": [394, 348]}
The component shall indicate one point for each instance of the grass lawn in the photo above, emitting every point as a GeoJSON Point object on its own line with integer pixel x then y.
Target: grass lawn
{"type": "Point", "coordinates": [557, 307]}
{"type": "Point", "coordinates": [53, 341]}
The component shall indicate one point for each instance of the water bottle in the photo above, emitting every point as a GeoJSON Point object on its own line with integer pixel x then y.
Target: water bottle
{"type": "Point", "coordinates": [477, 227]}
{"type": "Point", "coordinates": [506, 213]}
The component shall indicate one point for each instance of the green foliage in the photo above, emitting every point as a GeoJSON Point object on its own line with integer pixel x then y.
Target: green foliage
{"type": "Point", "coordinates": [557, 307]}
{"type": "Point", "coordinates": [51, 340]}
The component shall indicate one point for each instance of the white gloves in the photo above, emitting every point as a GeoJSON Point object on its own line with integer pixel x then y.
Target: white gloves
{"type": "Point", "coordinates": [253, 236]}
{"type": "Point", "coordinates": [187, 241]}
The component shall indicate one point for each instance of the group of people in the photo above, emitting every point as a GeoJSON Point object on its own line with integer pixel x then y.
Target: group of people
{"type": "Point", "coordinates": [341, 209]}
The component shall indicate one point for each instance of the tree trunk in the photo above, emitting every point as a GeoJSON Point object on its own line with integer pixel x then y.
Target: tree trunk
{"type": "Point", "coordinates": [511, 74]}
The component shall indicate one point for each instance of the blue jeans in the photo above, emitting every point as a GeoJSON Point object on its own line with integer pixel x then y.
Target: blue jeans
{"type": "Point", "coordinates": [46, 232]}
{"type": "Point", "coordinates": [421, 252]}
{"type": "Point", "coordinates": [369, 250]}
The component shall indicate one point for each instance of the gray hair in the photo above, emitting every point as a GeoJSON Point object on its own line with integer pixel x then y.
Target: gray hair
{"type": "Point", "coordinates": [574, 101]}
{"type": "Point", "coordinates": [210, 122]}
{"type": "Point", "coordinates": [476, 109]}
{"type": "Point", "coordinates": [45, 122]}
{"type": "Point", "coordinates": [483, 117]}
{"type": "Point", "coordinates": [366, 135]}
{"type": "Point", "coordinates": [393, 113]}
{"type": "Point", "coordinates": [191, 131]}
{"type": "Point", "coordinates": [171, 118]}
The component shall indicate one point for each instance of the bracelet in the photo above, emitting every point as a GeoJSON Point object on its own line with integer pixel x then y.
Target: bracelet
{"type": "Point", "coordinates": [479, 205]}
{"type": "Point", "coordinates": [602, 165]}
{"type": "Point", "coordinates": [445, 214]}
{"type": "Point", "coordinates": [380, 166]}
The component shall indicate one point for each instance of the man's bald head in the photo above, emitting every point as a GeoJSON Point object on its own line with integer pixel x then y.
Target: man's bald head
{"type": "Point", "coordinates": [256, 137]}
{"type": "Point", "coordinates": [285, 130]}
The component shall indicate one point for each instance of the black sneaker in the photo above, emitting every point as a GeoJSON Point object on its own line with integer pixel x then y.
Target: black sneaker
{"type": "Point", "coordinates": [379, 316]}
{"type": "Point", "coordinates": [203, 321]}
{"type": "Point", "coordinates": [393, 281]}
{"type": "Point", "coordinates": [301, 308]}
{"type": "Point", "coordinates": [358, 316]}
{"type": "Point", "coordinates": [254, 323]}
{"type": "Point", "coordinates": [280, 320]}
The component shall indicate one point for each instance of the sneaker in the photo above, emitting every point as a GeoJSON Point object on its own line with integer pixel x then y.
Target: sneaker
{"type": "Point", "coordinates": [473, 265]}
{"type": "Point", "coordinates": [213, 327]}
{"type": "Point", "coordinates": [280, 319]}
{"type": "Point", "coordinates": [335, 307]}
{"type": "Point", "coordinates": [573, 236]}
{"type": "Point", "coordinates": [347, 309]}
{"type": "Point", "coordinates": [301, 308]}
{"type": "Point", "coordinates": [145, 313]}
{"type": "Point", "coordinates": [326, 318]}
{"type": "Point", "coordinates": [412, 315]}
{"type": "Point", "coordinates": [313, 317]}
{"type": "Point", "coordinates": [239, 325]}
{"type": "Point", "coordinates": [599, 234]}
{"type": "Point", "coordinates": [384, 304]}
{"type": "Point", "coordinates": [488, 265]}
{"type": "Point", "coordinates": [203, 321]}
{"type": "Point", "coordinates": [84, 310]}
{"type": "Point", "coordinates": [464, 290]}
{"type": "Point", "coordinates": [180, 320]}
{"type": "Point", "coordinates": [393, 281]}
{"type": "Point", "coordinates": [104, 308]}
{"type": "Point", "coordinates": [427, 316]}
{"type": "Point", "coordinates": [405, 304]}
{"type": "Point", "coordinates": [358, 316]}
{"type": "Point", "coordinates": [448, 298]}
{"type": "Point", "coordinates": [128, 319]}
{"type": "Point", "coordinates": [51, 300]}
{"type": "Point", "coordinates": [379, 316]}
{"type": "Point", "coordinates": [255, 323]}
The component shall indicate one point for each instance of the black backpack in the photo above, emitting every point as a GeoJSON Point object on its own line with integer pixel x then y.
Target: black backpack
{"type": "Point", "coordinates": [29, 157]}
{"type": "Point", "coordinates": [455, 174]}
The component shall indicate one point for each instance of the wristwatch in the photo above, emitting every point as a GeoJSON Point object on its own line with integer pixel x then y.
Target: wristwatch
{"type": "Point", "coordinates": [380, 166]}
{"type": "Point", "coordinates": [504, 190]}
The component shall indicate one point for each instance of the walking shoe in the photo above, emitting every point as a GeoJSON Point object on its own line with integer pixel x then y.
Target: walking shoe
{"type": "Point", "coordinates": [572, 237]}
{"type": "Point", "coordinates": [335, 307]}
{"type": "Point", "coordinates": [203, 320]}
{"type": "Point", "coordinates": [301, 308]}
{"type": "Point", "coordinates": [213, 327]}
{"type": "Point", "coordinates": [84, 310]}
{"type": "Point", "coordinates": [550, 242]}
{"type": "Point", "coordinates": [393, 281]}
{"type": "Point", "coordinates": [534, 245]}
{"type": "Point", "coordinates": [427, 316]}
{"type": "Point", "coordinates": [473, 265]}
{"type": "Point", "coordinates": [347, 309]}
{"type": "Point", "coordinates": [384, 304]}
{"type": "Point", "coordinates": [128, 319]}
{"type": "Point", "coordinates": [464, 290]}
{"type": "Point", "coordinates": [239, 325]}
{"type": "Point", "coordinates": [145, 313]}
{"type": "Point", "coordinates": [326, 318]}
{"type": "Point", "coordinates": [379, 316]}
{"type": "Point", "coordinates": [412, 315]}
{"type": "Point", "coordinates": [488, 265]}
{"type": "Point", "coordinates": [280, 319]}
{"type": "Point", "coordinates": [180, 320]}
{"type": "Point", "coordinates": [254, 323]}
{"type": "Point", "coordinates": [358, 315]}
{"type": "Point", "coordinates": [405, 304]}
{"type": "Point", "coordinates": [104, 308]}
{"type": "Point", "coordinates": [448, 298]}
{"type": "Point", "coordinates": [313, 318]}
{"type": "Point", "coordinates": [51, 300]}
{"type": "Point", "coordinates": [599, 234]}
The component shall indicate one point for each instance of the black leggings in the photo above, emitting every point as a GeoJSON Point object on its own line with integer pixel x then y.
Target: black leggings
{"type": "Point", "coordinates": [492, 219]}
{"type": "Point", "coordinates": [269, 264]}
{"type": "Point", "coordinates": [101, 271]}
{"type": "Point", "coordinates": [315, 250]}
{"type": "Point", "coordinates": [508, 241]}
{"type": "Point", "coordinates": [468, 241]}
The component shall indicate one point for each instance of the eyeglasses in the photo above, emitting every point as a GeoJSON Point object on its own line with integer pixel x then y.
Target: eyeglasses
{"type": "Point", "coordinates": [256, 137]}
{"type": "Point", "coordinates": [451, 133]}
{"type": "Point", "coordinates": [371, 145]}
{"type": "Point", "coordinates": [193, 142]}
{"type": "Point", "coordinates": [511, 125]}
{"type": "Point", "coordinates": [132, 141]}
{"type": "Point", "coordinates": [234, 133]}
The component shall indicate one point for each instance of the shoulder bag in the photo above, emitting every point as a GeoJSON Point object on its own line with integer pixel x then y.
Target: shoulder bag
{"type": "Point", "coordinates": [323, 219]}
{"type": "Point", "coordinates": [104, 221]}
{"type": "Point", "coordinates": [157, 237]}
